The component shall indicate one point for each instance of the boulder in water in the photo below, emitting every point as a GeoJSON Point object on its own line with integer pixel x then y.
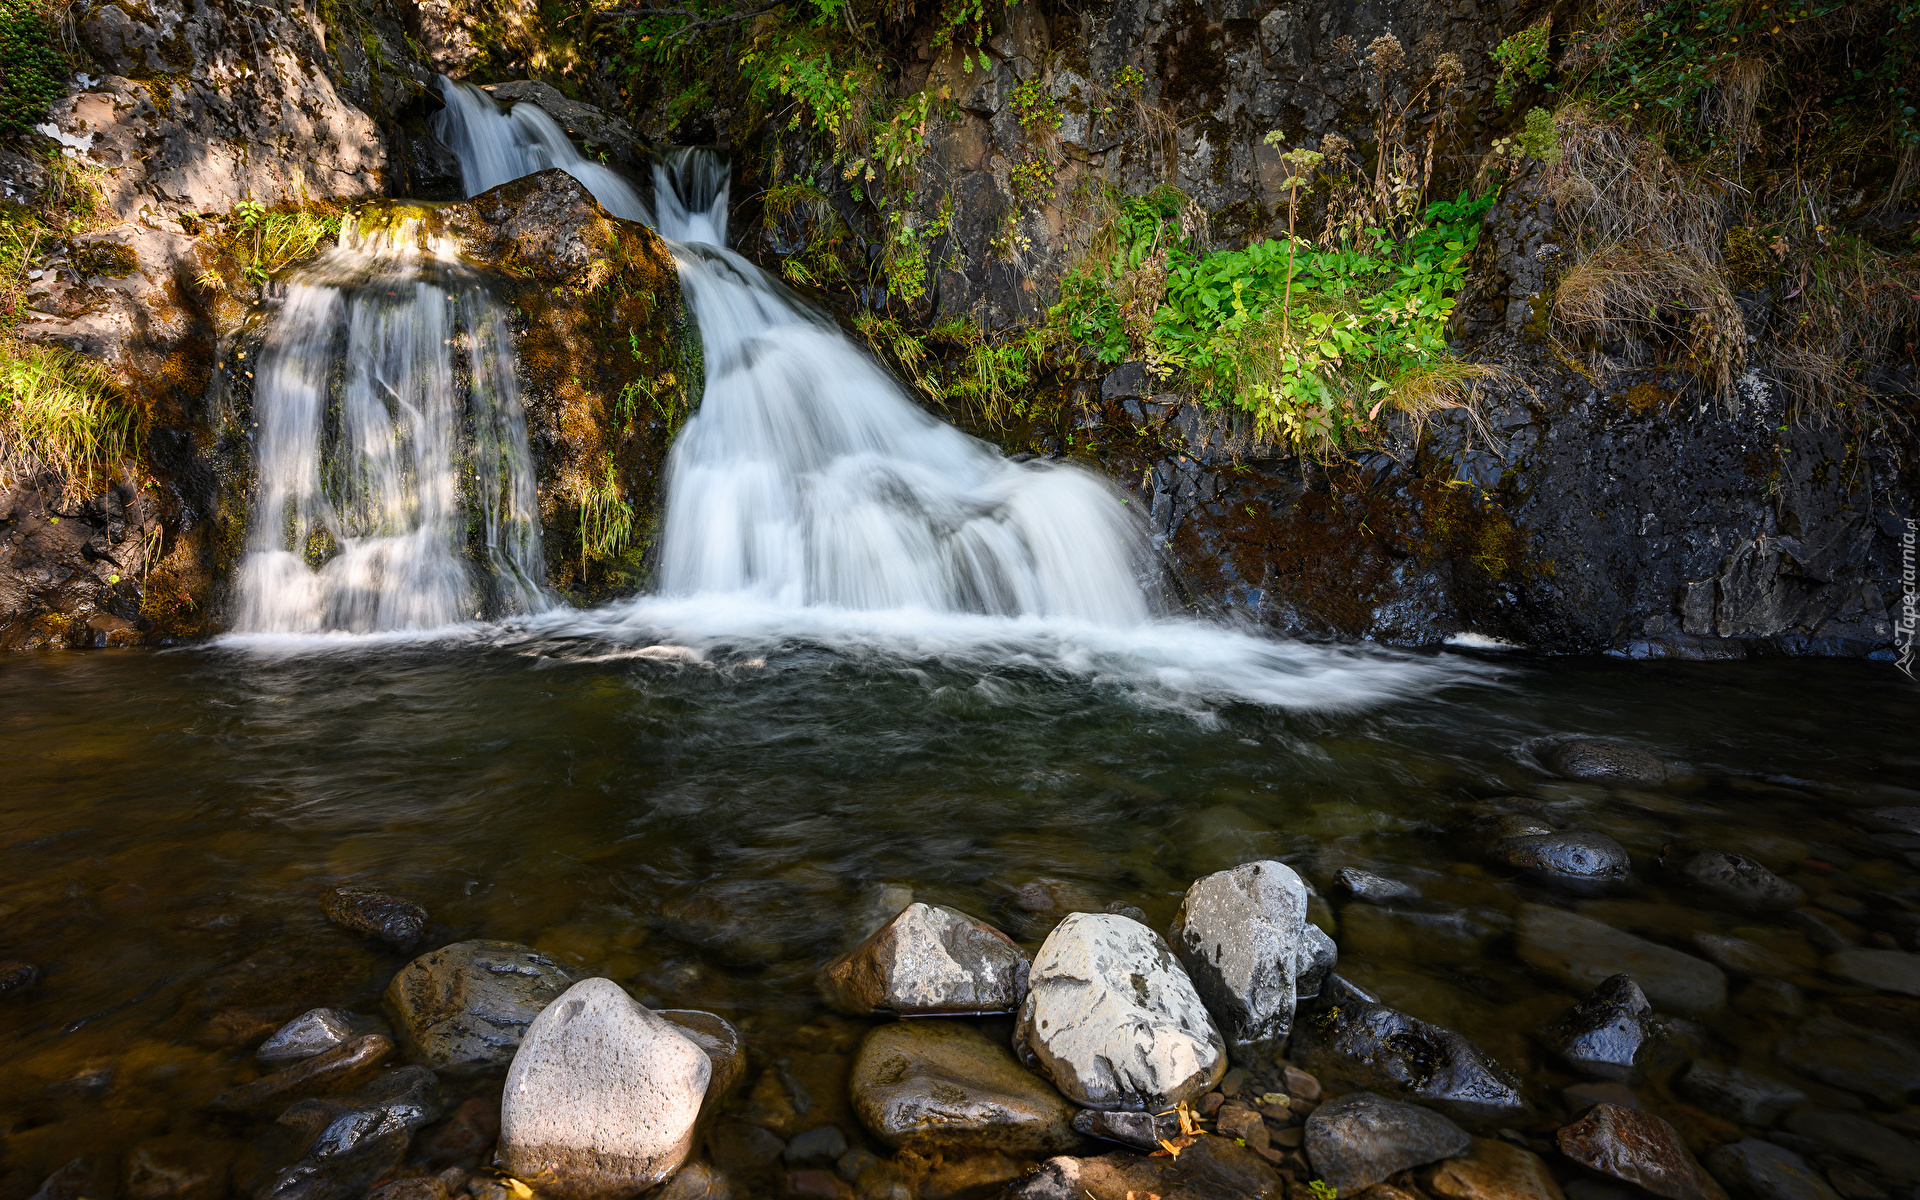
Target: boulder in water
{"type": "Point", "coordinates": [1604, 1034]}
{"type": "Point", "coordinates": [399, 923]}
{"type": "Point", "coordinates": [1605, 760]}
{"type": "Point", "coordinates": [463, 1008]}
{"type": "Point", "coordinates": [719, 1040]}
{"type": "Point", "coordinates": [313, 1032]}
{"type": "Point", "coordinates": [1575, 859]}
{"type": "Point", "coordinates": [941, 1087]}
{"type": "Point", "coordinates": [336, 1070]}
{"type": "Point", "coordinates": [1745, 882]}
{"type": "Point", "coordinates": [1738, 1095]}
{"type": "Point", "coordinates": [342, 1146]}
{"type": "Point", "coordinates": [1351, 1038]}
{"type": "Point", "coordinates": [1763, 1171]}
{"type": "Point", "coordinates": [1639, 1148]}
{"type": "Point", "coordinates": [929, 959]}
{"type": "Point", "coordinates": [1494, 1170]}
{"type": "Point", "coordinates": [1581, 952]}
{"type": "Point", "coordinates": [1112, 1019]}
{"type": "Point", "coordinates": [602, 1097]}
{"type": "Point", "coordinates": [1360, 1139]}
{"type": "Point", "coordinates": [1241, 935]}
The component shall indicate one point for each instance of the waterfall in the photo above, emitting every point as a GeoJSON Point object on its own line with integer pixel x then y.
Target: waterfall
{"type": "Point", "coordinates": [496, 147]}
{"type": "Point", "coordinates": [396, 489]}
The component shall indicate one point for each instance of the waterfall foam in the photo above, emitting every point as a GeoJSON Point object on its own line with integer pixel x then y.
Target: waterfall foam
{"type": "Point", "coordinates": [391, 497]}
{"type": "Point", "coordinates": [496, 147]}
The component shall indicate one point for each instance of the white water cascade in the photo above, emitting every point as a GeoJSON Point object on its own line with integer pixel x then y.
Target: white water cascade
{"type": "Point", "coordinates": [396, 489]}
{"type": "Point", "coordinates": [496, 147]}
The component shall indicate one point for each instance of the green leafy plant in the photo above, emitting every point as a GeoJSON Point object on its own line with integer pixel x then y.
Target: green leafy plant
{"type": "Point", "coordinates": [1523, 60]}
{"type": "Point", "coordinates": [33, 66]}
{"type": "Point", "coordinates": [1322, 1190]}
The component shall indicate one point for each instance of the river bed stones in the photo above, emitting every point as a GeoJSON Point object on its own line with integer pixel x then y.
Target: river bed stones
{"type": "Point", "coordinates": [1738, 1095]}
{"type": "Point", "coordinates": [341, 1146]}
{"type": "Point", "coordinates": [1605, 1033]}
{"type": "Point", "coordinates": [397, 922]}
{"type": "Point", "coordinates": [1141, 1130]}
{"type": "Point", "coordinates": [1359, 1139]}
{"type": "Point", "coordinates": [1211, 1168]}
{"type": "Point", "coordinates": [16, 977]}
{"type": "Point", "coordinates": [928, 960]}
{"type": "Point", "coordinates": [463, 1008]}
{"type": "Point", "coordinates": [343, 1067]}
{"type": "Point", "coordinates": [938, 1086]}
{"type": "Point", "coordinates": [1240, 934]}
{"type": "Point", "coordinates": [1842, 1055]}
{"type": "Point", "coordinates": [1357, 1041]}
{"type": "Point", "coordinates": [1760, 1170]}
{"type": "Point", "coordinates": [1112, 1019]}
{"type": "Point", "coordinates": [1374, 889]}
{"type": "Point", "coordinates": [602, 1096]}
{"type": "Point", "coordinates": [1576, 860]}
{"type": "Point", "coordinates": [1884, 970]}
{"type": "Point", "coordinates": [1850, 1135]}
{"type": "Point", "coordinates": [1605, 760]}
{"type": "Point", "coordinates": [313, 1032]}
{"type": "Point", "coordinates": [1639, 1148]}
{"type": "Point", "coordinates": [1742, 881]}
{"type": "Point", "coordinates": [1581, 952]}
{"type": "Point", "coordinates": [1494, 1170]}
{"type": "Point", "coordinates": [719, 1040]}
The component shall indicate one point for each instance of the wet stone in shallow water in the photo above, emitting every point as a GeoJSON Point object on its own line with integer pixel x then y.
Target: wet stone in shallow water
{"type": "Point", "coordinates": [1577, 860]}
{"type": "Point", "coordinates": [1741, 880]}
{"type": "Point", "coordinates": [1639, 1148]}
{"type": "Point", "coordinates": [1375, 889]}
{"type": "Point", "coordinates": [1581, 952]}
{"type": "Point", "coordinates": [1604, 1034]}
{"type": "Point", "coordinates": [1360, 1139]}
{"type": "Point", "coordinates": [1738, 1095]}
{"type": "Point", "coordinates": [1876, 1065]}
{"type": "Point", "coordinates": [342, 1146]}
{"type": "Point", "coordinates": [1605, 760]}
{"type": "Point", "coordinates": [934, 1086]}
{"type": "Point", "coordinates": [463, 1008]}
{"type": "Point", "coordinates": [1143, 1131]}
{"type": "Point", "coordinates": [1858, 1138]}
{"type": "Point", "coordinates": [17, 977]}
{"type": "Point", "coordinates": [1884, 970]}
{"type": "Point", "coordinates": [1763, 1171]}
{"type": "Point", "coordinates": [1241, 935]}
{"type": "Point", "coordinates": [312, 1032]}
{"type": "Point", "coordinates": [1494, 1170]}
{"type": "Point", "coordinates": [928, 960]}
{"type": "Point", "coordinates": [345, 1066]}
{"type": "Point", "coordinates": [397, 922]}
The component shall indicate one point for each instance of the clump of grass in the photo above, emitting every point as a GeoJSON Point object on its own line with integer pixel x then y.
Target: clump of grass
{"type": "Point", "coordinates": [59, 412]}
{"type": "Point", "coordinates": [266, 241]}
{"type": "Point", "coordinates": [606, 519]}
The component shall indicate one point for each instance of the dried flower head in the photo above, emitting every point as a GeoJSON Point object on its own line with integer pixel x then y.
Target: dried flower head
{"type": "Point", "coordinates": [1346, 50]}
{"type": "Point", "coordinates": [1449, 71]}
{"type": "Point", "coordinates": [1335, 147]}
{"type": "Point", "coordinates": [1386, 54]}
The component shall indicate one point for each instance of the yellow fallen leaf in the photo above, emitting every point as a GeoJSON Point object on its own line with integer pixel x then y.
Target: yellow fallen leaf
{"type": "Point", "coordinates": [519, 1189]}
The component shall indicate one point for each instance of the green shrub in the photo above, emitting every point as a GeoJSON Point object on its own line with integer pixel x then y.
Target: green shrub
{"type": "Point", "coordinates": [33, 66]}
{"type": "Point", "coordinates": [1523, 60]}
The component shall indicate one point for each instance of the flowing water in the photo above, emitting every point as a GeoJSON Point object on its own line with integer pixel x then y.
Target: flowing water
{"type": "Point", "coordinates": [883, 660]}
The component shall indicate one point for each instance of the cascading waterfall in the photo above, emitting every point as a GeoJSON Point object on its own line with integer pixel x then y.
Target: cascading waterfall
{"type": "Point", "coordinates": [396, 488]}
{"type": "Point", "coordinates": [496, 147]}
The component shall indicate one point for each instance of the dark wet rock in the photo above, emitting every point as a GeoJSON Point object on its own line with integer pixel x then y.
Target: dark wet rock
{"type": "Point", "coordinates": [1581, 952]}
{"type": "Point", "coordinates": [1757, 1170]}
{"type": "Point", "coordinates": [399, 923]}
{"type": "Point", "coordinates": [83, 1178]}
{"type": "Point", "coordinates": [1605, 1033]}
{"type": "Point", "coordinates": [17, 977]}
{"type": "Point", "coordinates": [1772, 997]}
{"type": "Point", "coordinates": [1360, 1139]}
{"type": "Point", "coordinates": [1142, 1131]}
{"type": "Point", "coordinates": [1576, 859]}
{"type": "Point", "coordinates": [1899, 819]}
{"type": "Point", "coordinates": [179, 1167]}
{"type": "Point", "coordinates": [1243, 1123]}
{"type": "Point", "coordinates": [1039, 904]}
{"type": "Point", "coordinates": [1128, 381]}
{"type": "Point", "coordinates": [1743, 881]}
{"type": "Point", "coordinates": [341, 1146]}
{"type": "Point", "coordinates": [728, 927]}
{"type": "Point", "coordinates": [602, 1097]}
{"type": "Point", "coordinates": [1301, 1085]}
{"type": "Point", "coordinates": [313, 1032]}
{"type": "Point", "coordinates": [417, 1187]}
{"type": "Point", "coordinates": [801, 1090]}
{"type": "Point", "coordinates": [337, 1070]}
{"type": "Point", "coordinates": [855, 1163]}
{"type": "Point", "coordinates": [1112, 1019]}
{"type": "Point", "coordinates": [1211, 1168]}
{"type": "Point", "coordinates": [463, 1008]}
{"type": "Point", "coordinates": [1738, 1095]}
{"type": "Point", "coordinates": [1322, 956]}
{"type": "Point", "coordinates": [1605, 760]}
{"type": "Point", "coordinates": [1121, 908]}
{"type": "Point", "coordinates": [1375, 889]}
{"type": "Point", "coordinates": [1354, 1040]}
{"type": "Point", "coordinates": [929, 959]}
{"type": "Point", "coordinates": [595, 131]}
{"type": "Point", "coordinates": [462, 1138]}
{"type": "Point", "coordinates": [1493, 1170]}
{"type": "Point", "coordinates": [1738, 956]}
{"type": "Point", "coordinates": [1241, 935]}
{"type": "Point", "coordinates": [695, 1181]}
{"type": "Point", "coordinates": [719, 1040]}
{"type": "Point", "coordinates": [1862, 1140]}
{"type": "Point", "coordinates": [942, 1086]}
{"type": "Point", "coordinates": [1639, 1148]}
{"type": "Point", "coordinates": [825, 1144]}
{"type": "Point", "coordinates": [741, 1149]}
{"type": "Point", "coordinates": [1876, 1065]}
{"type": "Point", "coordinates": [1883, 970]}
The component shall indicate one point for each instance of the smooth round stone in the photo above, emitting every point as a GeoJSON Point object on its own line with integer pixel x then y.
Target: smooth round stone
{"type": "Point", "coordinates": [1743, 881]}
{"type": "Point", "coordinates": [1738, 1095]}
{"type": "Point", "coordinates": [310, 1033]}
{"type": "Point", "coordinates": [1605, 760]}
{"type": "Point", "coordinates": [1360, 1139]}
{"type": "Point", "coordinates": [1885, 970]}
{"type": "Point", "coordinates": [390, 919]}
{"type": "Point", "coordinates": [1841, 1055]}
{"type": "Point", "coordinates": [1765, 1171]}
{"type": "Point", "coordinates": [1494, 1170]}
{"type": "Point", "coordinates": [1639, 1148]}
{"type": "Point", "coordinates": [1577, 859]}
{"type": "Point", "coordinates": [941, 1086]}
{"type": "Point", "coordinates": [1581, 952]}
{"type": "Point", "coordinates": [463, 1008]}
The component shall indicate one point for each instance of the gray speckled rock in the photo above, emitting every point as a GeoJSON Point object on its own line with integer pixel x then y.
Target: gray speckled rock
{"type": "Point", "coordinates": [721, 1041]}
{"type": "Point", "coordinates": [1322, 956]}
{"type": "Point", "coordinates": [1241, 935]}
{"type": "Point", "coordinates": [1605, 760]}
{"type": "Point", "coordinates": [1576, 859]}
{"type": "Point", "coordinates": [1603, 1035]}
{"type": "Point", "coordinates": [1375, 889]}
{"type": "Point", "coordinates": [313, 1032]}
{"type": "Point", "coordinates": [1580, 952]}
{"type": "Point", "coordinates": [929, 959]}
{"type": "Point", "coordinates": [1113, 1020]}
{"type": "Point", "coordinates": [1358, 1140]}
{"type": "Point", "coordinates": [602, 1097]}
{"type": "Point", "coordinates": [1745, 882]}
{"type": "Point", "coordinates": [1760, 1170]}
{"type": "Point", "coordinates": [463, 1008]}
{"type": "Point", "coordinates": [934, 1086]}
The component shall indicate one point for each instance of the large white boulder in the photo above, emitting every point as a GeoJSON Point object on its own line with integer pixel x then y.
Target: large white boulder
{"type": "Point", "coordinates": [1242, 936]}
{"type": "Point", "coordinates": [602, 1097]}
{"type": "Point", "coordinates": [1112, 1019]}
{"type": "Point", "coordinates": [928, 960]}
